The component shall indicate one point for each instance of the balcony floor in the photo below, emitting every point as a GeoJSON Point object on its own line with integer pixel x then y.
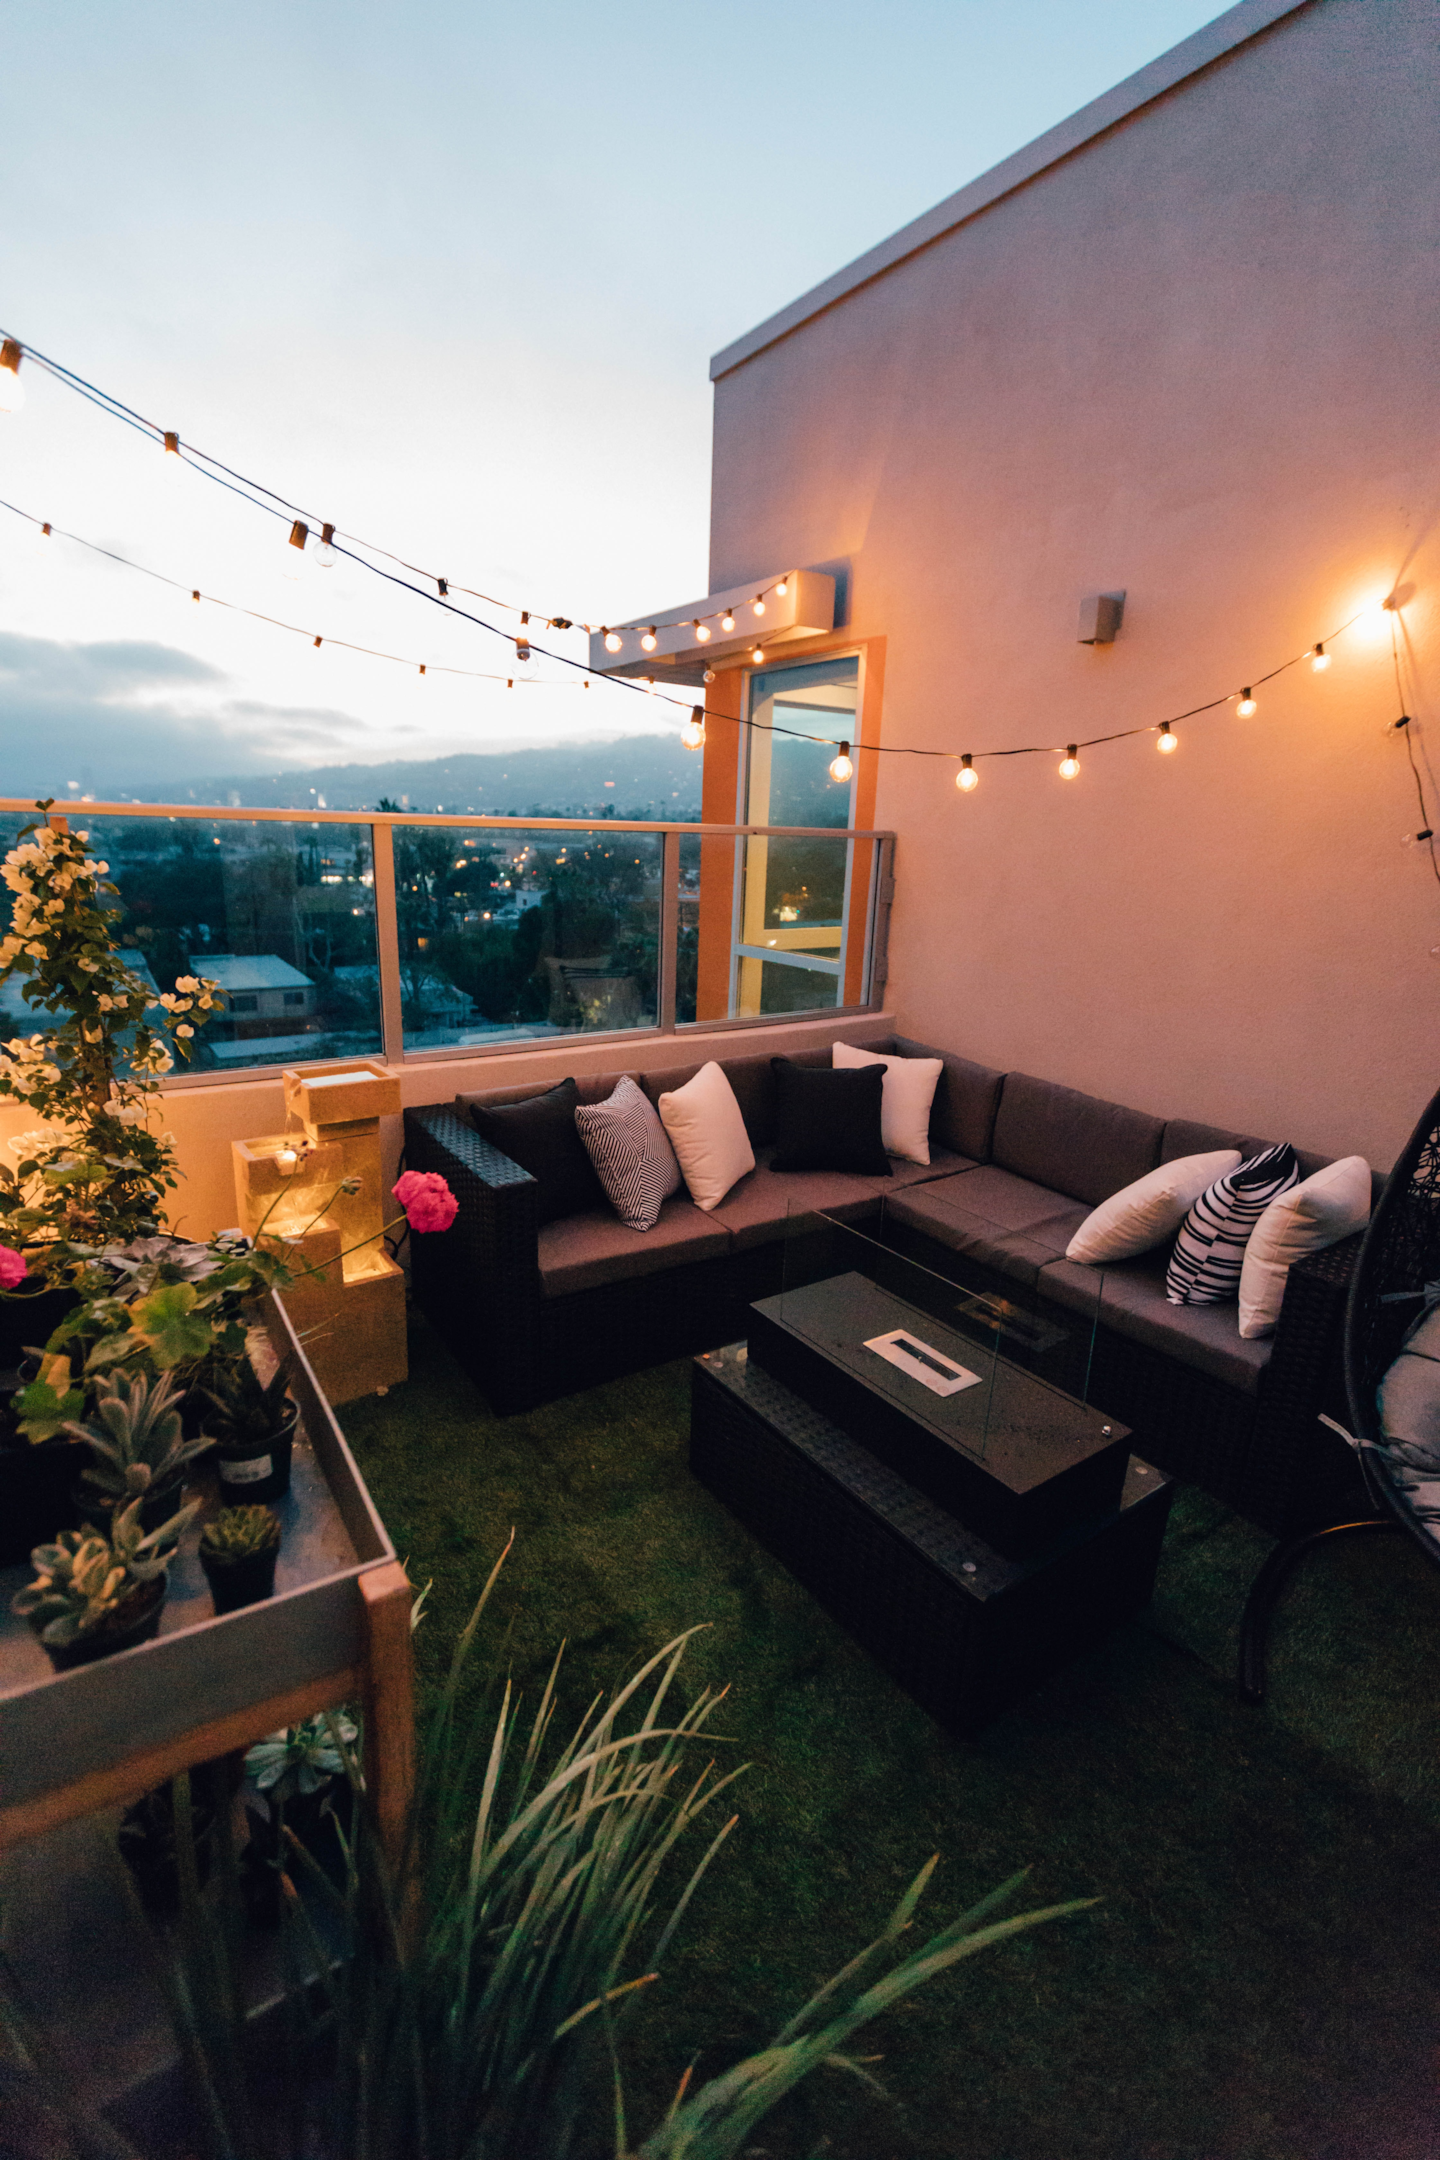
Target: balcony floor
{"type": "Point", "coordinates": [1261, 1981]}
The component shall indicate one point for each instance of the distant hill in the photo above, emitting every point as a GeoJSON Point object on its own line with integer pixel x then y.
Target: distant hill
{"type": "Point", "coordinates": [644, 775]}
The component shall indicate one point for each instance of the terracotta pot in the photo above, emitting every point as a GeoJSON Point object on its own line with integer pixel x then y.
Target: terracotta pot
{"type": "Point", "coordinates": [235, 1583]}
{"type": "Point", "coordinates": [135, 1620]}
{"type": "Point", "coordinates": [257, 1469]}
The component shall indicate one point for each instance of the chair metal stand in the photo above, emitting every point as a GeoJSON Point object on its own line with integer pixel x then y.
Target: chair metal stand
{"type": "Point", "coordinates": [1265, 1595]}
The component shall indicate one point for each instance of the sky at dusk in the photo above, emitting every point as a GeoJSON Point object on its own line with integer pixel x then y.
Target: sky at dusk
{"type": "Point", "coordinates": [452, 277]}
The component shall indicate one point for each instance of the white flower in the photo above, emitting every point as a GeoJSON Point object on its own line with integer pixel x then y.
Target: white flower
{"type": "Point", "coordinates": [187, 982]}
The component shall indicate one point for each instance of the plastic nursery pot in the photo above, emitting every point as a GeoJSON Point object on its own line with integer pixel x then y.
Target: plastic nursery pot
{"type": "Point", "coordinates": [260, 1469]}
{"type": "Point", "coordinates": [36, 1497]}
{"type": "Point", "coordinates": [234, 1583]}
{"type": "Point", "coordinates": [135, 1620]}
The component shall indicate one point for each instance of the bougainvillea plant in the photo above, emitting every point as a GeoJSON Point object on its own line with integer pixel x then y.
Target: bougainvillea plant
{"type": "Point", "coordinates": [97, 1169]}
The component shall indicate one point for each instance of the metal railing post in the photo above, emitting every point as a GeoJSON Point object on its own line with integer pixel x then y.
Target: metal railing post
{"type": "Point", "coordinates": [669, 928]}
{"type": "Point", "coordinates": [387, 943]}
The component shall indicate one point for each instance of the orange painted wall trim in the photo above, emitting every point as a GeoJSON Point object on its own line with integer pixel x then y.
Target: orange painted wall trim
{"type": "Point", "coordinates": [717, 857]}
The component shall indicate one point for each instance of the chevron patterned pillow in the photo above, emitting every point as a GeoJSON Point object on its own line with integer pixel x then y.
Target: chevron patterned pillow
{"type": "Point", "coordinates": [633, 1158]}
{"type": "Point", "coordinates": [1210, 1249]}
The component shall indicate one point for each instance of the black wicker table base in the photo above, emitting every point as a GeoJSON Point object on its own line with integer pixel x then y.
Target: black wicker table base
{"type": "Point", "coordinates": [962, 1629]}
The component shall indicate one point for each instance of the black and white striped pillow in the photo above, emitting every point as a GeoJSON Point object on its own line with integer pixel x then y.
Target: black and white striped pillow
{"type": "Point", "coordinates": [633, 1158]}
{"type": "Point", "coordinates": [1210, 1249]}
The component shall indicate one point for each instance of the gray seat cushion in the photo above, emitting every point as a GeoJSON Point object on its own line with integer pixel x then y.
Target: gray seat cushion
{"type": "Point", "coordinates": [758, 1209]}
{"type": "Point", "coordinates": [591, 1088]}
{"type": "Point", "coordinates": [962, 1116]}
{"type": "Point", "coordinates": [991, 1216]}
{"type": "Point", "coordinates": [580, 1252]}
{"type": "Point", "coordinates": [1132, 1301]}
{"type": "Point", "coordinates": [1184, 1137]}
{"type": "Point", "coordinates": [1076, 1144]}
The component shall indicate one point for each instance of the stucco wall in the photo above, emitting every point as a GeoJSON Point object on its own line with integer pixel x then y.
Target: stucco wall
{"type": "Point", "coordinates": [1198, 359]}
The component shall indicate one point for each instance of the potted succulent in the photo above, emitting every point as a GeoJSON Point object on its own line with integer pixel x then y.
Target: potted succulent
{"type": "Point", "coordinates": [253, 1425]}
{"type": "Point", "coordinates": [95, 1595]}
{"type": "Point", "coordinates": [299, 1780]}
{"type": "Point", "coordinates": [238, 1551]}
{"type": "Point", "coordinates": [137, 1448]}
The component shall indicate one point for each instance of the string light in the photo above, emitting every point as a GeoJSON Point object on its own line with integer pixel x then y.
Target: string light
{"type": "Point", "coordinates": [758, 605]}
{"type": "Point", "coordinates": [758, 656]}
{"type": "Point", "coordinates": [841, 766]}
{"type": "Point", "coordinates": [613, 640]}
{"type": "Point", "coordinates": [1246, 705]}
{"type": "Point", "coordinates": [323, 554]}
{"type": "Point", "coordinates": [522, 643]}
{"type": "Point", "coordinates": [172, 446]}
{"type": "Point", "coordinates": [299, 533]}
{"type": "Point", "coordinates": [649, 641]}
{"type": "Point", "coordinates": [693, 733]}
{"type": "Point", "coordinates": [1166, 741]}
{"type": "Point", "coordinates": [967, 779]}
{"type": "Point", "coordinates": [1319, 659]}
{"type": "Point", "coordinates": [1070, 763]}
{"type": "Point", "coordinates": [727, 622]}
{"type": "Point", "coordinates": [781, 589]}
{"type": "Point", "coordinates": [702, 633]}
{"type": "Point", "coordinates": [12, 390]}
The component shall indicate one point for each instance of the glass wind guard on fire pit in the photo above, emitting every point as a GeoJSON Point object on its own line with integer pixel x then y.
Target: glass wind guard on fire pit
{"type": "Point", "coordinates": [858, 1326]}
{"type": "Point", "coordinates": [941, 1345]}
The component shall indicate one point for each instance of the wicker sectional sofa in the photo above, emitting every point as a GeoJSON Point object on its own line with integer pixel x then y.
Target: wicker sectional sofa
{"type": "Point", "coordinates": [534, 1312]}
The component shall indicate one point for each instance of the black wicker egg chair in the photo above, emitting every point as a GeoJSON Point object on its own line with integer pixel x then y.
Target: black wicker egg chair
{"type": "Point", "coordinates": [1399, 1262]}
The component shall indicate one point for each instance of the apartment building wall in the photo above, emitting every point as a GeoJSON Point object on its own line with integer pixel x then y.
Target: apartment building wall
{"type": "Point", "coordinates": [1195, 358]}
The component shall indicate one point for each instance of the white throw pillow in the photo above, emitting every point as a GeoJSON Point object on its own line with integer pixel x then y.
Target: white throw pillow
{"type": "Point", "coordinates": [1327, 1207]}
{"type": "Point", "coordinates": [708, 1134]}
{"type": "Point", "coordinates": [1150, 1210]}
{"type": "Point", "coordinates": [907, 1090]}
{"type": "Point", "coordinates": [1408, 1396]}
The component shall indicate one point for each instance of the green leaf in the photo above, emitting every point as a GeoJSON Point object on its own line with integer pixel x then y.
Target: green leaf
{"type": "Point", "coordinates": [173, 1333]}
{"type": "Point", "coordinates": [43, 1412]}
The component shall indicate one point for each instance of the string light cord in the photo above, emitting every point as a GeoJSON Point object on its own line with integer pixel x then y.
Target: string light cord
{"type": "Point", "coordinates": [1404, 724]}
{"type": "Point", "coordinates": [234, 607]}
{"type": "Point", "coordinates": [280, 506]}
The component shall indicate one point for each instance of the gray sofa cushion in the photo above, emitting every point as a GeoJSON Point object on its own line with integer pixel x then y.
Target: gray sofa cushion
{"type": "Point", "coordinates": [1133, 1302]}
{"type": "Point", "coordinates": [1184, 1137]}
{"type": "Point", "coordinates": [580, 1252]}
{"type": "Point", "coordinates": [962, 1116]}
{"type": "Point", "coordinates": [751, 1079]}
{"type": "Point", "coordinates": [994, 1218]}
{"type": "Point", "coordinates": [1076, 1144]}
{"type": "Point", "coordinates": [757, 1210]}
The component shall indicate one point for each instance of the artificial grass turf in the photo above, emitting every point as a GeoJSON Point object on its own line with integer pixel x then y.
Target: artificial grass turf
{"type": "Point", "coordinates": [1260, 1982]}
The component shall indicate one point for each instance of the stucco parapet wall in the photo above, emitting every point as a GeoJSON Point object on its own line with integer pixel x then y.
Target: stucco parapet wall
{"type": "Point", "coordinates": [1234, 28]}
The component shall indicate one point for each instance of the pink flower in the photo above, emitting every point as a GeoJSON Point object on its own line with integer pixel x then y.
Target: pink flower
{"type": "Point", "coordinates": [427, 1200]}
{"type": "Point", "coordinates": [13, 1269]}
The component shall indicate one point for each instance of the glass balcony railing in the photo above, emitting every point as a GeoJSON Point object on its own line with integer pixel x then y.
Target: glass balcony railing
{"type": "Point", "coordinates": [350, 934]}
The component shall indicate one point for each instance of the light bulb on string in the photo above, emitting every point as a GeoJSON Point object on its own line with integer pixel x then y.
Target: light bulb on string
{"type": "Point", "coordinates": [782, 588]}
{"type": "Point", "coordinates": [323, 554]}
{"type": "Point", "coordinates": [522, 643]}
{"type": "Point", "coordinates": [1319, 659]}
{"type": "Point", "coordinates": [758, 656]}
{"type": "Point", "coordinates": [42, 534]}
{"type": "Point", "coordinates": [841, 766]}
{"type": "Point", "coordinates": [1070, 763]}
{"type": "Point", "coordinates": [613, 640]}
{"type": "Point", "coordinates": [702, 633]}
{"type": "Point", "coordinates": [727, 621]}
{"type": "Point", "coordinates": [12, 390]}
{"type": "Point", "coordinates": [649, 641]}
{"type": "Point", "coordinates": [693, 732]}
{"type": "Point", "coordinates": [172, 450]}
{"type": "Point", "coordinates": [709, 674]}
{"type": "Point", "coordinates": [1166, 741]}
{"type": "Point", "coordinates": [967, 778]}
{"type": "Point", "coordinates": [757, 605]}
{"type": "Point", "coordinates": [1246, 705]}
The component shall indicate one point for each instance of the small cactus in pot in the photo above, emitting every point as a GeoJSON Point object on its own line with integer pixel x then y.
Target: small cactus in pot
{"type": "Point", "coordinates": [137, 1447]}
{"type": "Point", "coordinates": [93, 1595]}
{"type": "Point", "coordinates": [253, 1422]}
{"type": "Point", "coordinates": [238, 1551]}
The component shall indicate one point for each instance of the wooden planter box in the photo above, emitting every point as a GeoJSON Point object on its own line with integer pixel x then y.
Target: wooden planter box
{"type": "Point", "coordinates": [337, 1630]}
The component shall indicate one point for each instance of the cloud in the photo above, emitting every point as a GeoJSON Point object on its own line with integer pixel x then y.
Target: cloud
{"type": "Point", "coordinates": [111, 715]}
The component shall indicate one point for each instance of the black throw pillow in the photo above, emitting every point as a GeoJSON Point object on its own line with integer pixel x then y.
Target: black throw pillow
{"type": "Point", "coordinates": [828, 1118]}
{"type": "Point", "coordinates": [539, 1134]}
